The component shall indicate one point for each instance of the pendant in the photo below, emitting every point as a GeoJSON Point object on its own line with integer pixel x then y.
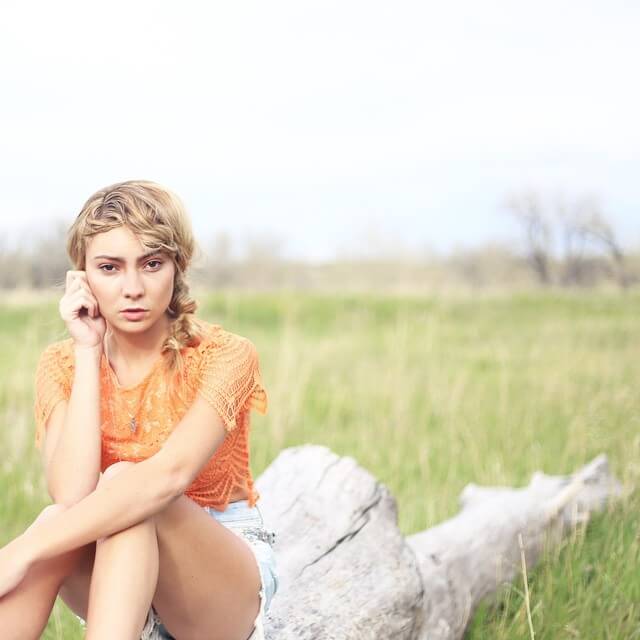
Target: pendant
{"type": "Point", "coordinates": [132, 424]}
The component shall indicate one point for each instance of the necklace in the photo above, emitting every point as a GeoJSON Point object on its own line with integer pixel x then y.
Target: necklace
{"type": "Point", "coordinates": [133, 424]}
{"type": "Point", "coordinates": [132, 419]}
{"type": "Point", "coordinates": [132, 416]}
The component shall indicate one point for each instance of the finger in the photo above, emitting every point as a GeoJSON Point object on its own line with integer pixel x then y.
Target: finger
{"type": "Point", "coordinates": [75, 275]}
{"type": "Point", "coordinates": [82, 299]}
{"type": "Point", "coordinates": [74, 280]}
{"type": "Point", "coordinates": [85, 287]}
{"type": "Point", "coordinates": [71, 304]}
{"type": "Point", "coordinates": [91, 306]}
{"type": "Point", "coordinates": [73, 286]}
{"type": "Point", "coordinates": [84, 283]}
{"type": "Point", "coordinates": [82, 288]}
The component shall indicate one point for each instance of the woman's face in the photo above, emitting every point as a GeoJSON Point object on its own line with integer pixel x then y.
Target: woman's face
{"type": "Point", "coordinates": [122, 275]}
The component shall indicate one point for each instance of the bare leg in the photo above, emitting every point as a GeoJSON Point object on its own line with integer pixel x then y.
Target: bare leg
{"type": "Point", "coordinates": [25, 611]}
{"type": "Point", "coordinates": [123, 583]}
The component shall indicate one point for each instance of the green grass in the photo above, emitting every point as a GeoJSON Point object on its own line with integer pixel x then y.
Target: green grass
{"type": "Point", "coordinates": [428, 395]}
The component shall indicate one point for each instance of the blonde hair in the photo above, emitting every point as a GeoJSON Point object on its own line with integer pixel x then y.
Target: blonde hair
{"type": "Point", "coordinates": [159, 219]}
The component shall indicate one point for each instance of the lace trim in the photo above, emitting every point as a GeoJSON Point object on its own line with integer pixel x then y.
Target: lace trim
{"type": "Point", "coordinates": [230, 379]}
{"type": "Point", "coordinates": [54, 372]}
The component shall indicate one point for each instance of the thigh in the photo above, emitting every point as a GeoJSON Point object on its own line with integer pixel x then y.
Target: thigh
{"type": "Point", "coordinates": [74, 591]}
{"type": "Point", "coordinates": [248, 523]}
{"type": "Point", "coordinates": [209, 583]}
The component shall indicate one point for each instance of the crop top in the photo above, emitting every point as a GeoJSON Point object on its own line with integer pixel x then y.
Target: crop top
{"type": "Point", "coordinates": [224, 368]}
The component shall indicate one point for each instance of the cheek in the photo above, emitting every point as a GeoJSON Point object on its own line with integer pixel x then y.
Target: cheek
{"type": "Point", "coordinates": [164, 287]}
{"type": "Point", "coordinates": [94, 285]}
{"type": "Point", "coordinates": [99, 289]}
{"type": "Point", "coordinates": [169, 282]}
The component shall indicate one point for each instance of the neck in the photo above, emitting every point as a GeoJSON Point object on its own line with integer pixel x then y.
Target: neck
{"type": "Point", "coordinates": [137, 349]}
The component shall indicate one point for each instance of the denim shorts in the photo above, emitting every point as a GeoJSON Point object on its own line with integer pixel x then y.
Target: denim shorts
{"type": "Point", "coordinates": [247, 523]}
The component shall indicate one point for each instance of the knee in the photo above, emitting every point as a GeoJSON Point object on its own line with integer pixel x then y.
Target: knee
{"type": "Point", "coordinates": [114, 470]}
{"type": "Point", "coordinates": [48, 512]}
{"type": "Point", "coordinates": [52, 510]}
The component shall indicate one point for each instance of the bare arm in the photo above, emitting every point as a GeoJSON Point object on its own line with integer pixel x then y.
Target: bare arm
{"type": "Point", "coordinates": [73, 442]}
{"type": "Point", "coordinates": [129, 497]}
{"type": "Point", "coordinates": [134, 494]}
{"type": "Point", "coordinates": [73, 450]}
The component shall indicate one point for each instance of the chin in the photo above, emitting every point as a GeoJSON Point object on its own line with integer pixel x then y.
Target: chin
{"type": "Point", "coordinates": [134, 326]}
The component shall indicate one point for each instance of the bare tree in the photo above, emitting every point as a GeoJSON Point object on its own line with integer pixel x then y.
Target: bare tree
{"type": "Point", "coordinates": [574, 241]}
{"type": "Point", "coordinates": [598, 229]}
{"type": "Point", "coordinates": [263, 264]}
{"type": "Point", "coordinates": [48, 256]}
{"type": "Point", "coordinates": [217, 270]}
{"type": "Point", "coordinates": [584, 224]}
{"type": "Point", "coordinates": [38, 258]}
{"type": "Point", "coordinates": [528, 210]}
{"type": "Point", "coordinates": [589, 249]}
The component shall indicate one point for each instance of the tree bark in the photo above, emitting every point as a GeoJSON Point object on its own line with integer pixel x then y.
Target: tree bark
{"type": "Point", "coordinates": [347, 572]}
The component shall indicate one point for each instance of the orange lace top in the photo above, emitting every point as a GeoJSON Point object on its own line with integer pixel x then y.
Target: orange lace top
{"type": "Point", "coordinates": [223, 368]}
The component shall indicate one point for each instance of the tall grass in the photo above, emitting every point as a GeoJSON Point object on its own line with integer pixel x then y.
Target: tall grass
{"type": "Point", "coordinates": [428, 394]}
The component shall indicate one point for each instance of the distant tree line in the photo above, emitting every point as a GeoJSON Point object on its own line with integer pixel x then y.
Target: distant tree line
{"type": "Point", "coordinates": [562, 244]}
{"type": "Point", "coordinates": [569, 242]}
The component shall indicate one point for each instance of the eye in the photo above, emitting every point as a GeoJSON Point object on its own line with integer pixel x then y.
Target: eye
{"type": "Point", "coordinates": [103, 267]}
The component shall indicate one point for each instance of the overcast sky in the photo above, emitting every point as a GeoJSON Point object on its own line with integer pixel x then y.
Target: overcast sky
{"type": "Point", "coordinates": [315, 122]}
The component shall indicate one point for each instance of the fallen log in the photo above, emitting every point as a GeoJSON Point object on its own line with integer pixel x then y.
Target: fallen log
{"type": "Point", "coordinates": [347, 572]}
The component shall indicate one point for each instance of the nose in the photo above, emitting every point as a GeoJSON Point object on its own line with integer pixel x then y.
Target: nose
{"type": "Point", "coordinates": [132, 285]}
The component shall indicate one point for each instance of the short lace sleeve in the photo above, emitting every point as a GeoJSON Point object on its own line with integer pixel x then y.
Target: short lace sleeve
{"type": "Point", "coordinates": [52, 384]}
{"type": "Point", "coordinates": [230, 378]}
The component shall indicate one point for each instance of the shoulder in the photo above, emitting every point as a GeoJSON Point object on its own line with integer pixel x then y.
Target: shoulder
{"type": "Point", "coordinates": [224, 355]}
{"type": "Point", "coordinates": [56, 364]}
{"type": "Point", "coordinates": [58, 353]}
{"type": "Point", "coordinates": [228, 373]}
{"type": "Point", "coordinates": [218, 343]}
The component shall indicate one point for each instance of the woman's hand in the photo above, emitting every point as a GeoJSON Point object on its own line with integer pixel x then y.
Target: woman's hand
{"type": "Point", "coordinates": [79, 309]}
{"type": "Point", "coordinates": [15, 562]}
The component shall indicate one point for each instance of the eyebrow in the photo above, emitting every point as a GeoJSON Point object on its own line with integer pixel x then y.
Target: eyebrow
{"type": "Point", "coordinates": [118, 259]}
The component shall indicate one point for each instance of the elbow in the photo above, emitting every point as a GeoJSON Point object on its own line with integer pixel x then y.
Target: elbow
{"type": "Point", "coordinates": [175, 480]}
{"type": "Point", "coordinates": [67, 498]}
{"type": "Point", "coordinates": [68, 495]}
{"type": "Point", "coordinates": [176, 485]}
{"type": "Point", "coordinates": [66, 490]}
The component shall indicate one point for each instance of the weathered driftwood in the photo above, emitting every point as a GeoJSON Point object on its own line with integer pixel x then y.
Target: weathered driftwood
{"type": "Point", "coordinates": [347, 572]}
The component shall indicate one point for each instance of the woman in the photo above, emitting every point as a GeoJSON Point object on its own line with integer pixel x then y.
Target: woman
{"type": "Point", "coordinates": [168, 541]}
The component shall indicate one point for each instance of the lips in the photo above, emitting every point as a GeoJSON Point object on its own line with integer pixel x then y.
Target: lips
{"type": "Point", "coordinates": [133, 316]}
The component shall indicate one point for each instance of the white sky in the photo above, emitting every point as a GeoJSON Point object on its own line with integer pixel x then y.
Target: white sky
{"type": "Point", "coordinates": [414, 118]}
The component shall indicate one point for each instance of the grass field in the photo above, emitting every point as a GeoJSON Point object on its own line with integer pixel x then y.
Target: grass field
{"type": "Point", "coordinates": [428, 394]}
